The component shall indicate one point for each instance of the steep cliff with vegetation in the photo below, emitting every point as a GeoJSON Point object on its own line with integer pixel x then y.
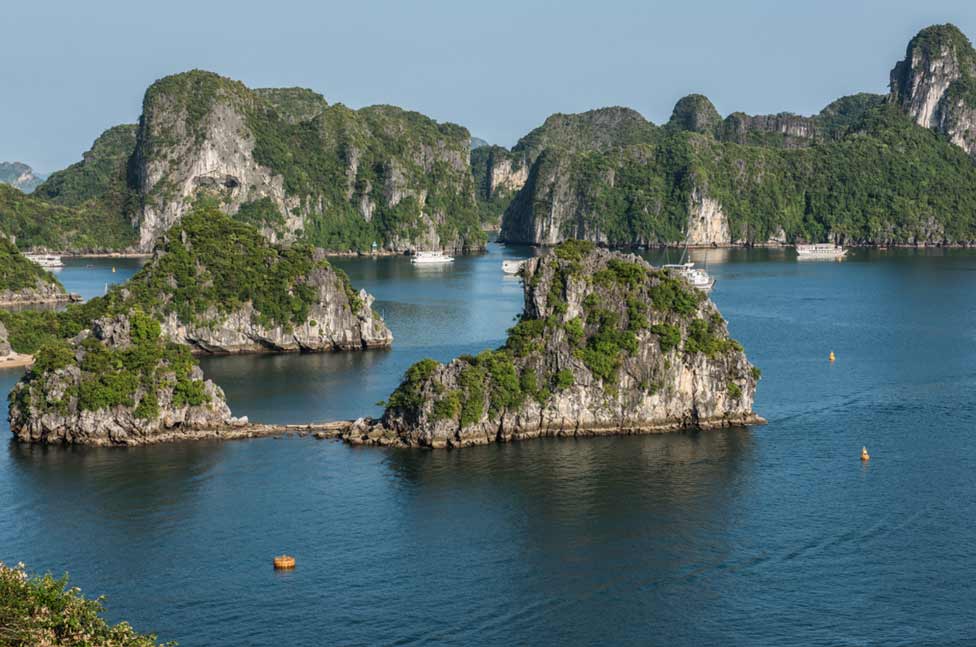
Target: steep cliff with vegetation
{"type": "Point", "coordinates": [936, 84]}
{"type": "Point", "coordinates": [218, 286]}
{"type": "Point", "coordinates": [281, 159]}
{"type": "Point", "coordinates": [44, 611]}
{"type": "Point", "coordinates": [22, 281]}
{"type": "Point", "coordinates": [606, 344]}
{"type": "Point", "coordinates": [865, 170]}
{"type": "Point", "coordinates": [121, 382]}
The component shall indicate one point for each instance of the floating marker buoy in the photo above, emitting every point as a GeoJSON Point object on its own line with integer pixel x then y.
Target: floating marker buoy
{"type": "Point", "coordinates": [864, 454]}
{"type": "Point", "coordinates": [832, 357]}
{"type": "Point", "coordinates": [113, 269]}
{"type": "Point", "coordinates": [284, 562]}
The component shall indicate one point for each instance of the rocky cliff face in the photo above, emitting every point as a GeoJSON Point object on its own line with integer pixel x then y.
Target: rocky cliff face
{"type": "Point", "coordinates": [219, 287]}
{"type": "Point", "coordinates": [707, 223]}
{"type": "Point", "coordinates": [194, 137]}
{"type": "Point", "coordinates": [119, 383]}
{"type": "Point", "coordinates": [284, 160]}
{"type": "Point", "coordinates": [19, 175]}
{"type": "Point", "coordinates": [785, 130]}
{"type": "Point", "coordinates": [607, 344]}
{"type": "Point", "coordinates": [296, 167]}
{"type": "Point", "coordinates": [936, 84]}
{"type": "Point", "coordinates": [40, 292]}
{"type": "Point", "coordinates": [335, 321]}
{"type": "Point", "coordinates": [862, 171]}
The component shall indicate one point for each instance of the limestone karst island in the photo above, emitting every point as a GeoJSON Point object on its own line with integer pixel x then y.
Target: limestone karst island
{"type": "Point", "coordinates": [623, 324]}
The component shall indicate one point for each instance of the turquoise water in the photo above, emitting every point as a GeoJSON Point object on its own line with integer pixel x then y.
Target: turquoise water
{"type": "Point", "coordinates": [768, 535]}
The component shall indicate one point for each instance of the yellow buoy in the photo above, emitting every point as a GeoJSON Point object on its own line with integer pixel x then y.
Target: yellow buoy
{"type": "Point", "coordinates": [832, 357]}
{"type": "Point", "coordinates": [284, 562]}
{"type": "Point", "coordinates": [113, 269]}
{"type": "Point", "coordinates": [864, 454]}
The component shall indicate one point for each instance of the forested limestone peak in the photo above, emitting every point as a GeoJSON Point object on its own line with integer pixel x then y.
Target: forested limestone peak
{"type": "Point", "coordinates": [695, 113]}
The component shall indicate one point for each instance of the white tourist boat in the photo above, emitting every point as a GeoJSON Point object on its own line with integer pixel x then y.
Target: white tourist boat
{"type": "Point", "coordinates": [820, 250]}
{"type": "Point", "coordinates": [513, 266]}
{"type": "Point", "coordinates": [46, 260]}
{"type": "Point", "coordinates": [698, 277]}
{"type": "Point", "coordinates": [431, 258]}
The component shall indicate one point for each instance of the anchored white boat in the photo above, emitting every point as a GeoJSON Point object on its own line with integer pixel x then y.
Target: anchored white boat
{"type": "Point", "coordinates": [46, 260]}
{"type": "Point", "coordinates": [820, 250]}
{"type": "Point", "coordinates": [513, 267]}
{"type": "Point", "coordinates": [698, 277]}
{"type": "Point", "coordinates": [431, 258]}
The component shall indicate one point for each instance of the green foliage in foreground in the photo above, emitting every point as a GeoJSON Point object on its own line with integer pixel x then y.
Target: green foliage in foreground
{"type": "Point", "coordinates": [44, 610]}
{"type": "Point", "coordinates": [17, 272]}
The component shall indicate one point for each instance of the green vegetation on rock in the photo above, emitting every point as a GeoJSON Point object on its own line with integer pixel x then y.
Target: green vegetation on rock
{"type": "Point", "coordinates": [545, 353]}
{"type": "Point", "coordinates": [37, 223]}
{"type": "Point", "coordinates": [44, 610]}
{"type": "Point", "coordinates": [19, 273]}
{"type": "Point", "coordinates": [112, 376]}
{"type": "Point", "coordinates": [207, 266]}
{"type": "Point", "coordinates": [883, 179]}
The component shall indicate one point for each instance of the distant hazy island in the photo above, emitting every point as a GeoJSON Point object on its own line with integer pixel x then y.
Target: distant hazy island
{"type": "Point", "coordinates": [868, 169]}
{"type": "Point", "coordinates": [20, 176]}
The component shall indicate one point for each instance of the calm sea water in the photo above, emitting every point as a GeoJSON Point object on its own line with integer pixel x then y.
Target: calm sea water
{"type": "Point", "coordinates": [762, 536]}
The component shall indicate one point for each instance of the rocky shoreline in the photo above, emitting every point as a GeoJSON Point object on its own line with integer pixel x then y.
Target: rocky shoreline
{"type": "Point", "coordinates": [371, 432]}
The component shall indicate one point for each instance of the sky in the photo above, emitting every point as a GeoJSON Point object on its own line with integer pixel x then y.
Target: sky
{"type": "Point", "coordinates": [72, 69]}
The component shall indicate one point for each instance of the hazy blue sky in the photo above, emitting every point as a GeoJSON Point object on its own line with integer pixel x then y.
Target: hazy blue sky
{"type": "Point", "coordinates": [72, 69]}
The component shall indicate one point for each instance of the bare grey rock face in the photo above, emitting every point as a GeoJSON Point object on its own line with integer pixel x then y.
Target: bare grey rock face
{"type": "Point", "coordinates": [207, 248]}
{"type": "Point", "coordinates": [116, 384]}
{"type": "Point", "coordinates": [42, 292]}
{"type": "Point", "coordinates": [935, 84]}
{"type": "Point", "coordinates": [607, 344]}
{"type": "Point", "coordinates": [332, 325]}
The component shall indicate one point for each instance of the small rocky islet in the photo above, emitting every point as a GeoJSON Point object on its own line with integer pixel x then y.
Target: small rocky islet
{"type": "Point", "coordinates": [607, 344]}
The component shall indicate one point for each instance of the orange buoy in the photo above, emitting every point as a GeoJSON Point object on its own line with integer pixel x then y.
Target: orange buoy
{"type": "Point", "coordinates": [284, 562]}
{"type": "Point", "coordinates": [864, 454]}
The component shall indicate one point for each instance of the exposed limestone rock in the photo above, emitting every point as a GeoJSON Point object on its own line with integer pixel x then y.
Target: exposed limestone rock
{"type": "Point", "coordinates": [936, 84]}
{"type": "Point", "coordinates": [794, 131]}
{"type": "Point", "coordinates": [607, 344]}
{"type": "Point", "coordinates": [288, 298]}
{"type": "Point", "coordinates": [119, 383]}
{"type": "Point", "coordinates": [506, 173]}
{"type": "Point", "coordinates": [42, 292]}
{"type": "Point", "coordinates": [288, 162]}
{"type": "Point", "coordinates": [217, 157]}
{"type": "Point", "coordinates": [707, 223]}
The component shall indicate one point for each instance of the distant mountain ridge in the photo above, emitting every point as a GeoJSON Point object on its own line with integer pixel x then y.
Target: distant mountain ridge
{"type": "Point", "coordinates": [19, 175]}
{"type": "Point", "coordinates": [868, 169]}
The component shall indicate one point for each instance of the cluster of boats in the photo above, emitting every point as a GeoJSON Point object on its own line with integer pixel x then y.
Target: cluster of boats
{"type": "Point", "coordinates": [49, 261]}
{"type": "Point", "coordinates": [698, 277]}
